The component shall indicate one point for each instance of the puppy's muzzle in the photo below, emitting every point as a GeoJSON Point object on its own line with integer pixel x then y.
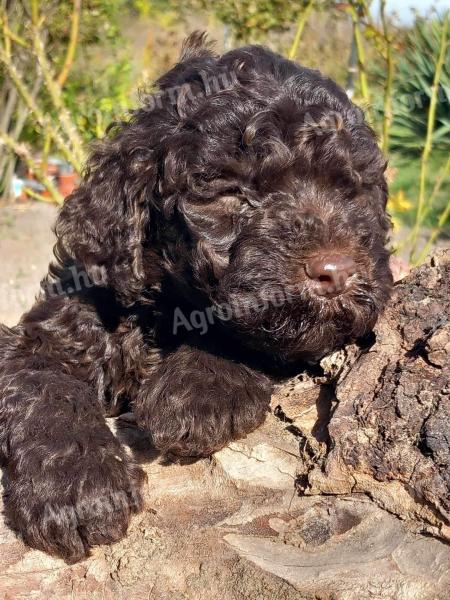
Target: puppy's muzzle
{"type": "Point", "coordinates": [329, 275]}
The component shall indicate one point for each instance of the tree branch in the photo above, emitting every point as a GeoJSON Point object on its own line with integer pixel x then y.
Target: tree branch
{"type": "Point", "coordinates": [22, 151]}
{"type": "Point", "coordinates": [387, 99]}
{"type": "Point", "coordinates": [41, 118]}
{"type": "Point", "coordinates": [71, 49]}
{"type": "Point", "coordinates": [55, 92]}
{"type": "Point", "coordinates": [300, 27]}
{"type": "Point", "coordinates": [431, 121]}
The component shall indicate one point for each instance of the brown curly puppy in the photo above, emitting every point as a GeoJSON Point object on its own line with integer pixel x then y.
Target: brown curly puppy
{"type": "Point", "coordinates": [234, 226]}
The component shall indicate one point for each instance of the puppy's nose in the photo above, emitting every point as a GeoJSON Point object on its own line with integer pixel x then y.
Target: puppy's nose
{"type": "Point", "coordinates": [329, 273]}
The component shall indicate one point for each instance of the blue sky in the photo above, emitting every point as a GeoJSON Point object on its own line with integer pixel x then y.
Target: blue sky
{"type": "Point", "coordinates": [403, 7]}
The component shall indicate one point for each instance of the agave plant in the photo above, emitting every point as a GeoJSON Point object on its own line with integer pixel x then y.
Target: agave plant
{"type": "Point", "coordinates": [413, 89]}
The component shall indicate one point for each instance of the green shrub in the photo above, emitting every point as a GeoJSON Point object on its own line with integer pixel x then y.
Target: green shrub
{"type": "Point", "coordinates": [412, 90]}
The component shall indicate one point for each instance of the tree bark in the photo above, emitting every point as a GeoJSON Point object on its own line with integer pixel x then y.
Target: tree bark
{"type": "Point", "coordinates": [388, 407]}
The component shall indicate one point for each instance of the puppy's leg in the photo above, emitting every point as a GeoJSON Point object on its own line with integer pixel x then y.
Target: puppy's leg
{"type": "Point", "coordinates": [69, 484]}
{"type": "Point", "coordinates": [194, 402]}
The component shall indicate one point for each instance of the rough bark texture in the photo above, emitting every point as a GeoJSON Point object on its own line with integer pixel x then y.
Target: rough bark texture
{"type": "Point", "coordinates": [389, 408]}
{"type": "Point", "coordinates": [308, 506]}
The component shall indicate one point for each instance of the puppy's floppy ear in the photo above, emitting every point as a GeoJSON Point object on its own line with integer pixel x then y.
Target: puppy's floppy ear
{"type": "Point", "coordinates": [103, 224]}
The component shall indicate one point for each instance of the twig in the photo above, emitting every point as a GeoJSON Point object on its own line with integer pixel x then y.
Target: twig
{"type": "Point", "coordinates": [71, 49]}
{"type": "Point", "coordinates": [37, 196]}
{"type": "Point", "coordinates": [387, 98]}
{"type": "Point", "coordinates": [22, 151]}
{"type": "Point", "coordinates": [8, 109]}
{"type": "Point", "coordinates": [41, 118]}
{"type": "Point", "coordinates": [5, 122]}
{"type": "Point", "coordinates": [34, 11]}
{"type": "Point", "coordinates": [435, 233]}
{"type": "Point", "coordinates": [5, 28]}
{"type": "Point", "coordinates": [7, 170]}
{"type": "Point", "coordinates": [443, 174]}
{"type": "Point", "coordinates": [10, 35]}
{"type": "Point", "coordinates": [440, 61]}
{"type": "Point", "coordinates": [300, 27]}
{"type": "Point", "coordinates": [361, 54]}
{"type": "Point", "coordinates": [55, 92]}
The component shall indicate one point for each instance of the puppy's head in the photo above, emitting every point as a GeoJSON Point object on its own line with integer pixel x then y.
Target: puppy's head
{"type": "Point", "coordinates": [252, 185]}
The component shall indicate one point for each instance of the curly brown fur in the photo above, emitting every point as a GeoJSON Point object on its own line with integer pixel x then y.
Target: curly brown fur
{"type": "Point", "coordinates": [210, 201]}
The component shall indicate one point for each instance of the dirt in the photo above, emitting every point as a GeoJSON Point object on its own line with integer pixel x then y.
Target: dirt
{"type": "Point", "coordinates": [26, 241]}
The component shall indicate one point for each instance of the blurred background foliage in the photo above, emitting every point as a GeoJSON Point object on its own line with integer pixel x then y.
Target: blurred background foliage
{"type": "Point", "coordinates": [412, 90]}
{"type": "Point", "coordinates": [68, 68]}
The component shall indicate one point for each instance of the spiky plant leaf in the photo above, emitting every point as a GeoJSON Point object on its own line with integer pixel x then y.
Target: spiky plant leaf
{"type": "Point", "coordinates": [413, 87]}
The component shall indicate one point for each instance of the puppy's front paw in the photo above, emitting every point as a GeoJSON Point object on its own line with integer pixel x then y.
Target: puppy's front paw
{"type": "Point", "coordinates": [205, 424]}
{"type": "Point", "coordinates": [195, 403]}
{"type": "Point", "coordinates": [73, 503]}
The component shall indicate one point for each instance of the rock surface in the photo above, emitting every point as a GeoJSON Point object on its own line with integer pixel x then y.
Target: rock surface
{"type": "Point", "coordinates": [307, 506]}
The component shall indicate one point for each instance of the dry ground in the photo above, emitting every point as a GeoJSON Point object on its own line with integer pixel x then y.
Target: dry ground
{"type": "Point", "coordinates": [26, 241]}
